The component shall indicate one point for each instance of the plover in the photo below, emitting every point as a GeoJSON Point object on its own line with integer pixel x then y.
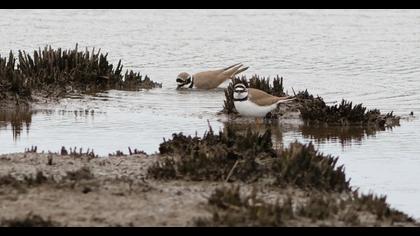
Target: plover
{"type": "Point", "coordinates": [208, 79]}
{"type": "Point", "coordinates": [256, 103]}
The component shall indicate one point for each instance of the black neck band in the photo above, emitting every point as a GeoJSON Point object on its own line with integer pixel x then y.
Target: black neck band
{"type": "Point", "coordinates": [240, 99]}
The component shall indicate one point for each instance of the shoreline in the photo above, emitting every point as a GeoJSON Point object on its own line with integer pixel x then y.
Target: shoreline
{"type": "Point", "coordinates": [116, 191]}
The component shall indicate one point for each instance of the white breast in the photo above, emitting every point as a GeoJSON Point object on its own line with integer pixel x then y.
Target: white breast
{"type": "Point", "coordinates": [248, 108]}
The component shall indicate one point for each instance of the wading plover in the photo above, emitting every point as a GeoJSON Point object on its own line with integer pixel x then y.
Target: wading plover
{"type": "Point", "coordinates": [208, 79]}
{"type": "Point", "coordinates": [256, 103]}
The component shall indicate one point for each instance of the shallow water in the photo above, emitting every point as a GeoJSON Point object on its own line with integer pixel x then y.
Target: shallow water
{"type": "Point", "coordinates": [369, 56]}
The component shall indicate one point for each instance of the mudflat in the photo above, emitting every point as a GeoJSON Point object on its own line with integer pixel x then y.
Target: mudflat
{"type": "Point", "coordinates": [68, 190]}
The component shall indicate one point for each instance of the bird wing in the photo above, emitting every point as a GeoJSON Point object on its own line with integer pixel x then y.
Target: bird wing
{"type": "Point", "coordinates": [227, 68]}
{"type": "Point", "coordinates": [233, 70]}
{"type": "Point", "coordinates": [208, 79]}
{"type": "Point", "coordinates": [213, 78]}
{"type": "Point", "coordinates": [262, 98]}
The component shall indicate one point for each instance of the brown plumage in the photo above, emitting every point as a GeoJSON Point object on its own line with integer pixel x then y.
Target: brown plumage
{"type": "Point", "coordinates": [209, 79]}
{"type": "Point", "coordinates": [254, 102]}
{"type": "Point", "coordinates": [262, 98]}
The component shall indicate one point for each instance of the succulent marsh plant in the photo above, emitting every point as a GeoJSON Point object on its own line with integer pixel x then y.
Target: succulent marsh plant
{"type": "Point", "coordinates": [56, 72]}
{"type": "Point", "coordinates": [231, 208]}
{"type": "Point", "coordinates": [12, 82]}
{"type": "Point", "coordinates": [234, 155]}
{"type": "Point", "coordinates": [303, 166]}
{"type": "Point", "coordinates": [315, 111]}
{"type": "Point", "coordinates": [213, 156]}
{"type": "Point", "coordinates": [379, 207]}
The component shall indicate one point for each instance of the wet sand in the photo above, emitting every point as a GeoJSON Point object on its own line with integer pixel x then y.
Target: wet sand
{"type": "Point", "coordinates": [115, 191]}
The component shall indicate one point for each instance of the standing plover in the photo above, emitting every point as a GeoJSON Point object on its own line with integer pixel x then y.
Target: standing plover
{"type": "Point", "coordinates": [208, 79]}
{"type": "Point", "coordinates": [254, 102]}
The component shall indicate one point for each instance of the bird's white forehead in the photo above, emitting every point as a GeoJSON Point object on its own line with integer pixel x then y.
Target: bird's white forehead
{"type": "Point", "coordinates": [240, 86]}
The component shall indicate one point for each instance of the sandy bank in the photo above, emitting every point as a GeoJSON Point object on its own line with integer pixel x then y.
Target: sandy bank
{"type": "Point", "coordinates": [115, 191]}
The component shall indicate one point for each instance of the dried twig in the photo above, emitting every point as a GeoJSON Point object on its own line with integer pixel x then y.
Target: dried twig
{"type": "Point", "coordinates": [231, 171]}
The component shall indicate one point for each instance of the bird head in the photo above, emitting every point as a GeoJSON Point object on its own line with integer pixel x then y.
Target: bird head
{"type": "Point", "coordinates": [183, 80]}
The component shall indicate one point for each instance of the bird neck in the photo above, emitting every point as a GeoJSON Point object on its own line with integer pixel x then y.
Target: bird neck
{"type": "Point", "coordinates": [240, 99]}
{"type": "Point", "coordinates": [192, 82]}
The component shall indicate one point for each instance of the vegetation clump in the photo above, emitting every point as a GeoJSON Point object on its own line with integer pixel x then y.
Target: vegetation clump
{"type": "Point", "coordinates": [303, 166]}
{"type": "Point", "coordinates": [231, 208]}
{"type": "Point", "coordinates": [232, 155]}
{"type": "Point", "coordinates": [315, 111]}
{"type": "Point", "coordinates": [54, 73]}
{"type": "Point", "coordinates": [213, 156]}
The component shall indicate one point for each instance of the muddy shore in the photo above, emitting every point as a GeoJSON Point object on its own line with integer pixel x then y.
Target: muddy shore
{"type": "Point", "coordinates": [116, 191]}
